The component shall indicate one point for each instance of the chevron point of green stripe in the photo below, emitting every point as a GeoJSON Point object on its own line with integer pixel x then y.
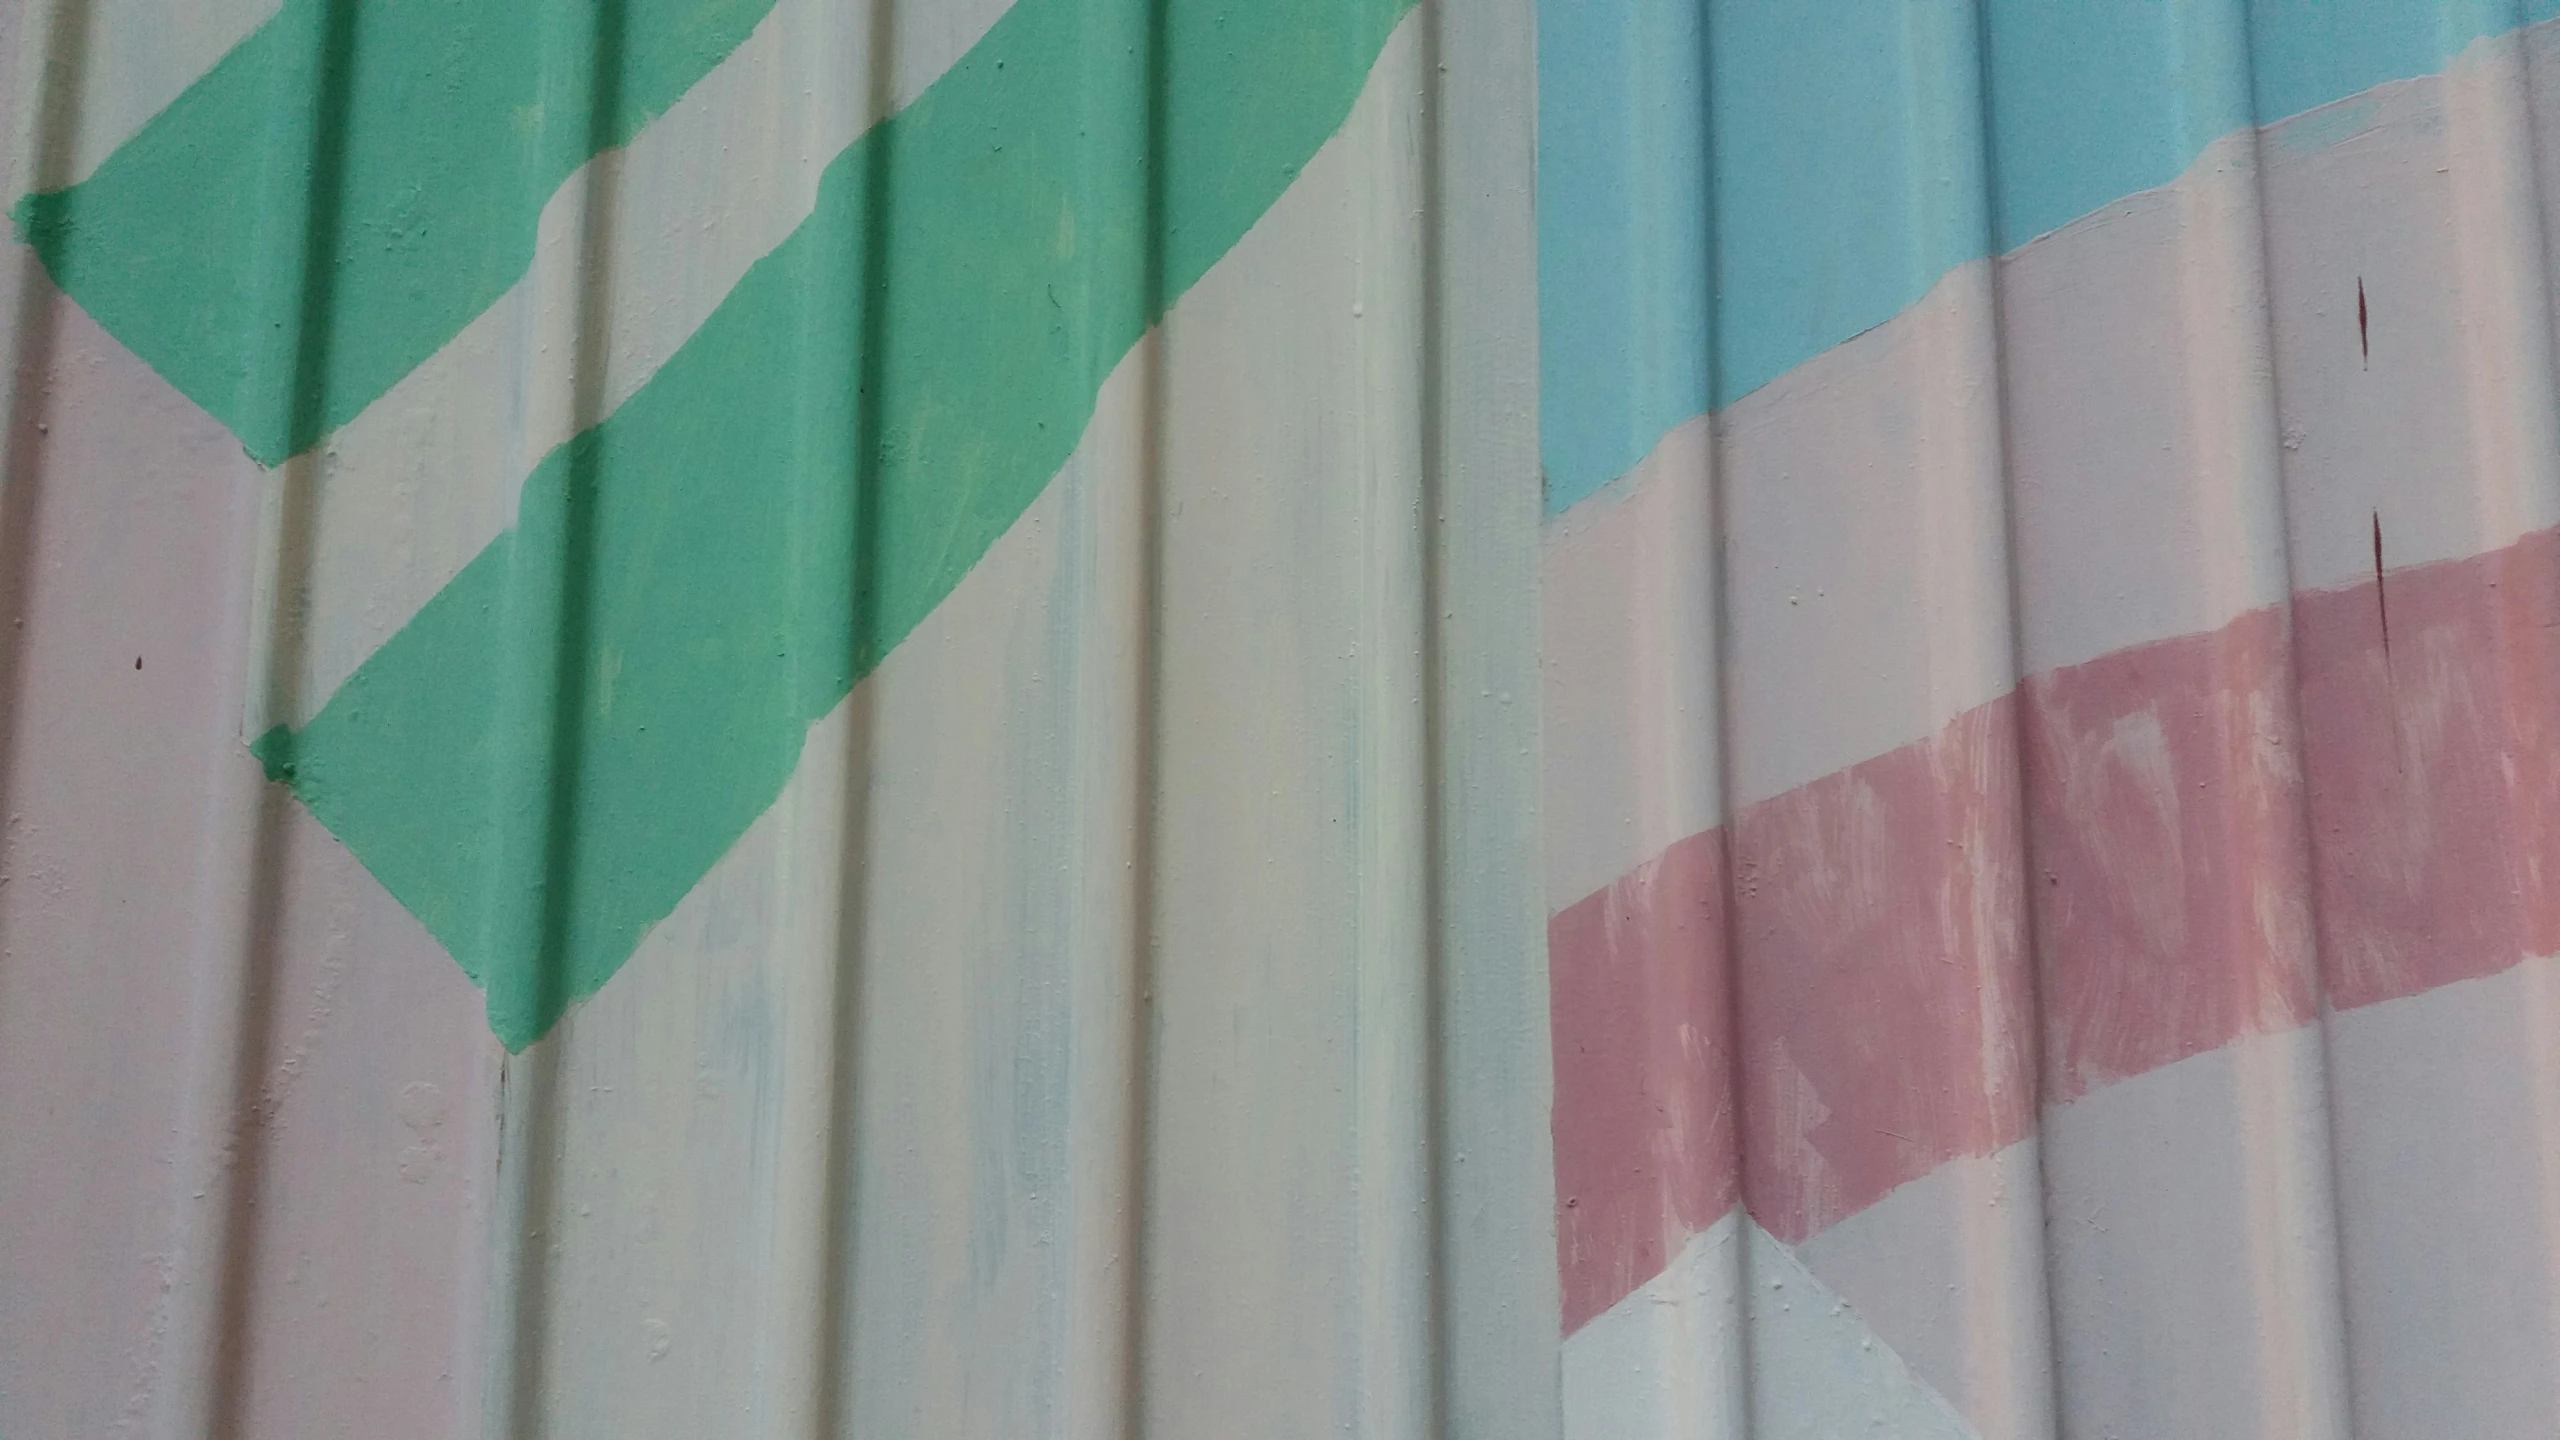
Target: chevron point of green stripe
{"type": "Point", "coordinates": [346, 189]}
{"type": "Point", "coordinates": [567, 737]}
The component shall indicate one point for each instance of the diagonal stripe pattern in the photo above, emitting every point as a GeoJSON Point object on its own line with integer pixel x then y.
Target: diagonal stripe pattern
{"type": "Point", "coordinates": [351, 184]}
{"type": "Point", "coordinates": [694, 580]}
{"type": "Point", "coordinates": [561, 742]}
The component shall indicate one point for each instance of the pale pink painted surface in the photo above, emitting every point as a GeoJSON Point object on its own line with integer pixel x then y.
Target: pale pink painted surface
{"type": "Point", "coordinates": [357, 1130]}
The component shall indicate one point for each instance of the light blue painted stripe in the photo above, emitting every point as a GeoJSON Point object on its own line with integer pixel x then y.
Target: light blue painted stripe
{"type": "Point", "coordinates": [1833, 142]}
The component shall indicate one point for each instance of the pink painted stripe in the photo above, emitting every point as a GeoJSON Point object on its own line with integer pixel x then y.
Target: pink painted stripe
{"type": "Point", "coordinates": [2182, 871]}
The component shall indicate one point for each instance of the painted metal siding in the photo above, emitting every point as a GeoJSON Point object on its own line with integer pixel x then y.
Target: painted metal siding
{"type": "Point", "coordinates": [2048, 604]}
{"type": "Point", "coordinates": [1479, 717]}
{"type": "Point", "coordinates": [985, 808]}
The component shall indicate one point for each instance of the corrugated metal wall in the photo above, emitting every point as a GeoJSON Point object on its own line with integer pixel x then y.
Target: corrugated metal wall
{"type": "Point", "coordinates": [1074, 717]}
{"type": "Point", "coordinates": [2048, 607]}
{"type": "Point", "coordinates": [991, 859]}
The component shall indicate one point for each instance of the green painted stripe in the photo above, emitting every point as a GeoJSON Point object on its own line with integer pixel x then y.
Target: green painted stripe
{"type": "Point", "coordinates": [455, 121]}
{"type": "Point", "coordinates": [700, 549]}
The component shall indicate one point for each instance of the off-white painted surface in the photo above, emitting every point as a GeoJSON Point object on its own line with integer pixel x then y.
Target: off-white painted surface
{"type": "Point", "coordinates": [1133, 1015]}
{"type": "Point", "coordinates": [1671, 1359]}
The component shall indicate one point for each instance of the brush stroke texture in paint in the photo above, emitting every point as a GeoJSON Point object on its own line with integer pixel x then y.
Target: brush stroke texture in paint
{"type": "Point", "coordinates": [1871, 912]}
{"type": "Point", "coordinates": [690, 565]}
{"type": "Point", "coordinates": [351, 184]}
{"type": "Point", "coordinates": [1780, 161]}
{"type": "Point", "coordinates": [2179, 903]}
{"type": "Point", "coordinates": [414, 486]}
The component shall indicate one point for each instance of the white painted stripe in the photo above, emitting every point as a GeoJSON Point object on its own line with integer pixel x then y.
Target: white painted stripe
{"type": "Point", "coordinates": [2447, 1114]}
{"type": "Point", "coordinates": [2191, 1243]}
{"type": "Point", "coordinates": [126, 59]}
{"type": "Point", "coordinates": [1628, 670]}
{"type": "Point", "coordinates": [2200, 1191]}
{"type": "Point", "coordinates": [1949, 1270]}
{"type": "Point", "coordinates": [1666, 1362]}
{"type": "Point", "coordinates": [2141, 476]}
{"type": "Point", "coordinates": [405, 494]}
{"type": "Point", "coordinates": [1841, 526]}
{"type": "Point", "coordinates": [2426, 192]}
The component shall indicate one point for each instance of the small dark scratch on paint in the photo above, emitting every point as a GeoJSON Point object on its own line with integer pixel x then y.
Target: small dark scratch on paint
{"type": "Point", "coordinates": [2390, 682]}
{"type": "Point", "coordinates": [2381, 598]}
{"type": "Point", "coordinates": [2364, 341]}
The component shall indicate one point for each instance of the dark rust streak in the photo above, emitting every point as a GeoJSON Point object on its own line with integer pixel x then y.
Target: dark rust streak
{"type": "Point", "coordinates": [2390, 682]}
{"type": "Point", "coordinates": [2381, 598]}
{"type": "Point", "coordinates": [2364, 331]}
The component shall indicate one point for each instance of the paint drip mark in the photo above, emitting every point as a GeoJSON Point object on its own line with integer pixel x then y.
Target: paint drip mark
{"type": "Point", "coordinates": [2364, 341]}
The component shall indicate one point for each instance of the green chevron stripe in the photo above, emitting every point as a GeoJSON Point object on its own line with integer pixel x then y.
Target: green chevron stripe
{"type": "Point", "coordinates": [354, 182]}
{"type": "Point", "coordinates": [681, 588]}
